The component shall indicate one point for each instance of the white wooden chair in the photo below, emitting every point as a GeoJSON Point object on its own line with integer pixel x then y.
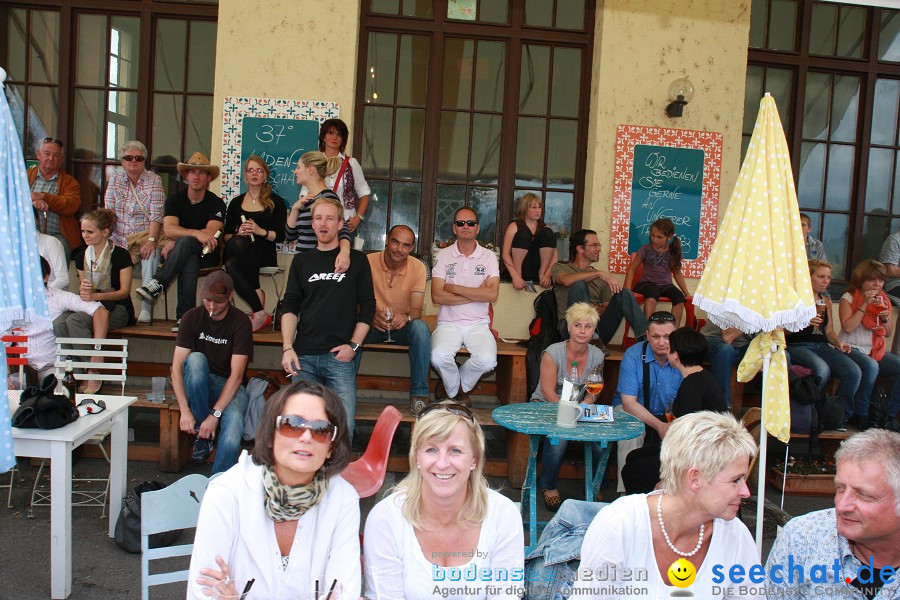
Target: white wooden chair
{"type": "Point", "coordinates": [174, 507]}
{"type": "Point", "coordinates": [114, 369]}
{"type": "Point", "coordinates": [15, 357]}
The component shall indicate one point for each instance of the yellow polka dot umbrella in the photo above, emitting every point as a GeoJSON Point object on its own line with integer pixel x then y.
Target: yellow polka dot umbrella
{"type": "Point", "coordinates": [757, 278]}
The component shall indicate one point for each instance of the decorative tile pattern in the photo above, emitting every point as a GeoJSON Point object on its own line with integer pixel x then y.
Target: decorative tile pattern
{"type": "Point", "coordinates": [627, 136]}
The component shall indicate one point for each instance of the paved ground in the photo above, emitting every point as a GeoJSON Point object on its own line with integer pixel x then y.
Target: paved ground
{"type": "Point", "coordinates": [102, 571]}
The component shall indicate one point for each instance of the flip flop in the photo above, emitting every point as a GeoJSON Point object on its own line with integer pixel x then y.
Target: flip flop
{"type": "Point", "coordinates": [552, 502]}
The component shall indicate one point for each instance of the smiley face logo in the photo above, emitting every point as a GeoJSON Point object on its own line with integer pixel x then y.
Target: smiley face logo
{"type": "Point", "coordinates": [682, 573]}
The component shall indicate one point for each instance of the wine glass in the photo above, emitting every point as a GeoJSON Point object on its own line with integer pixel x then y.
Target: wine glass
{"type": "Point", "coordinates": [670, 414]}
{"type": "Point", "coordinates": [389, 317]}
{"type": "Point", "coordinates": [878, 301]}
{"type": "Point", "coordinates": [820, 312]}
{"type": "Point", "coordinates": [594, 382]}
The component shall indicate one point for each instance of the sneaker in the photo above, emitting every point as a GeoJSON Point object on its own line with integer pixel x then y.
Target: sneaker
{"type": "Point", "coordinates": [892, 424]}
{"type": "Point", "coordinates": [861, 422]}
{"type": "Point", "coordinates": [417, 404]}
{"type": "Point", "coordinates": [201, 451]}
{"type": "Point", "coordinates": [151, 291]}
{"type": "Point", "coordinates": [145, 317]}
{"type": "Point", "coordinates": [175, 326]}
{"type": "Point", "coordinates": [842, 426]}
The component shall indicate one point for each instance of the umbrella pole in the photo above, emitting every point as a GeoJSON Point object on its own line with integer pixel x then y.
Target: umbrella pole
{"type": "Point", "coordinates": [761, 473]}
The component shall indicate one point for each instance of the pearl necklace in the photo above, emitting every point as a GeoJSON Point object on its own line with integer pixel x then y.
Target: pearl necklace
{"type": "Point", "coordinates": [662, 526]}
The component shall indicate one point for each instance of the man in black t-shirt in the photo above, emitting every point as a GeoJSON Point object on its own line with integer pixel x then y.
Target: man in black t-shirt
{"type": "Point", "coordinates": [212, 350]}
{"type": "Point", "coordinates": [329, 312]}
{"type": "Point", "coordinates": [192, 220]}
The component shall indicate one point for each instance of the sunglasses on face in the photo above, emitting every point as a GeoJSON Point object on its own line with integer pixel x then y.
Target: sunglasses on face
{"type": "Point", "coordinates": [292, 426]}
{"type": "Point", "coordinates": [457, 409]}
{"type": "Point", "coordinates": [662, 317]}
{"type": "Point", "coordinates": [133, 157]}
{"type": "Point", "coordinates": [470, 223]}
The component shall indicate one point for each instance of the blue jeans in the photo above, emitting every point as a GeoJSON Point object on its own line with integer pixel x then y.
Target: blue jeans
{"type": "Point", "coordinates": [889, 366]}
{"type": "Point", "coordinates": [338, 376]}
{"type": "Point", "coordinates": [826, 361]}
{"type": "Point", "coordinates": [722, 357]}
{"type": "Point", "coordinates": [203, 389]}
{"type": "Point", "coordinates": [552, 457]}
{"type": "Point", "coordinates": [185, 262]}
{"type": "Point", "coordinates": [417, 336]}
{"type": "Point", "coordinates": [620, 305]}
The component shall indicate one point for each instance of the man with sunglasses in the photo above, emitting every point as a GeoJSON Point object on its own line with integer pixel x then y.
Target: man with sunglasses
{"type": "Point", "coordinates": [577, 281]}
{"type": "Point", "coordinates": [212, 350]}
{"type": "Point", "coordinates": [464, 281]}
{"type": "Point", "coordinates": [399, 282]}
{"type": "Point", "coordinates": [648, 384]}
{"type": "Point", "coordinates": [56, 196]}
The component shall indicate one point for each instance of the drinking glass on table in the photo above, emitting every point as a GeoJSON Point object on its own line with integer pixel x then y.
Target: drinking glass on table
{"type": "Point", "coordinates": [594, 383]}
{"type": "Point", "coordinates": [820, 312]}
{"type": "Point", "coordinates": [389, 318]}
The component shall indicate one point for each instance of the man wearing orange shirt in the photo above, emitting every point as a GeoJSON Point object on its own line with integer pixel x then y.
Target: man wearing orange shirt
{"type": "Point", "coordinates": [399, 282]}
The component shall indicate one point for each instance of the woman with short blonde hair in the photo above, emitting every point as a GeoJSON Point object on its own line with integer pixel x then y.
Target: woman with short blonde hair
{"type": "Point", "coordinates": [442, 516]}
{"type": "Point", "coordinates": [704, 462]}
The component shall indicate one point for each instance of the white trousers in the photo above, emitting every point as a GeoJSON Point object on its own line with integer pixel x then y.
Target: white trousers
{"type": "Point", "coordinates": [445, 343]}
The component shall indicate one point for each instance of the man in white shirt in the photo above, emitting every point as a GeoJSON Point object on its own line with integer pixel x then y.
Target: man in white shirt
{"type": "Point", "coordinates": [52, 249]}
{"type": "Point", "coordinates": [464, 281]}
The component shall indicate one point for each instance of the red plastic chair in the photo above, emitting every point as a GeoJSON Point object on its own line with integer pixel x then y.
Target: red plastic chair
{"type": "Point", "coordinates": [367, 473]}
{"type": "Point", "coordinates": [689, 318]}
{"type": "Point", "coordinates": [15, 355]}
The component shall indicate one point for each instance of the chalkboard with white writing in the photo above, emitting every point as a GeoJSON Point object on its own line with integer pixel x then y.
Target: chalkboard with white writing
{"type": "Point", "coordinates": [280, 142]}
{"type": "Point", "coordinates": [667, 182]}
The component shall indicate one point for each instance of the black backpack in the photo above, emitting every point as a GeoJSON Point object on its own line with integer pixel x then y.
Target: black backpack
{"type": "Point", "coordinates": [878, 409]}
{"type": "Point", "coordinates": [805, 395]}
{"type": "Point", "coordinates": [544, 330]}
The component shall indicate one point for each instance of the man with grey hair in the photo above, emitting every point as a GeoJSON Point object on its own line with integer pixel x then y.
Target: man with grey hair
{"type": "Point", "coordinates": [136, 195]}
{"type": "Point", "coordinates": [857, 541]}
{"type": "Point", "coordinates": [56, 196]}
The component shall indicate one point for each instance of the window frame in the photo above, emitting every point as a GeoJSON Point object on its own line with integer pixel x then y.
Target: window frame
{"type": "Point", "coordinates": [515, 34]}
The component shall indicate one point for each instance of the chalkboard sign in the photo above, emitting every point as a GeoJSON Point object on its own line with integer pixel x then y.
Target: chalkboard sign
{"type": "Point", "coordinates": [665, 173]}
{"type": "Point", "coordinates": [280, 142]}
{"type": "Point", "coordinates": [667, 183]}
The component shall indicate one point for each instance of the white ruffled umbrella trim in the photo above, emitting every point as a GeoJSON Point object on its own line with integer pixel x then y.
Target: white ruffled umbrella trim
{"type": "Point", "coordinates": [731, 313]}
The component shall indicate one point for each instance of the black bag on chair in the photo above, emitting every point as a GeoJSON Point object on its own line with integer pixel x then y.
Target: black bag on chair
{"type": "Point", "coordinates": [128, 525]}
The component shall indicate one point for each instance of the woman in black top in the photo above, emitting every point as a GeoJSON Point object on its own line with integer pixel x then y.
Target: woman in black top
{"type": "Point", "coordinates": [529, 246]}
{"type": "Point", "coordinates": [254, 224]}
{"type": "Point", "coordinates": [104, 271]}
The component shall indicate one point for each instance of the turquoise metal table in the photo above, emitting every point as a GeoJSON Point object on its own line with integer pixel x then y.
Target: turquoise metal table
{"type": "Point", "coordinates": [538, 419]}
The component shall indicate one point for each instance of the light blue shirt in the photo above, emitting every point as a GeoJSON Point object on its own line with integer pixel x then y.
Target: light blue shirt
{"type": "Point", "coordinates": [812, 539]}
{"type": "Point", "coordinates": [664, 379]}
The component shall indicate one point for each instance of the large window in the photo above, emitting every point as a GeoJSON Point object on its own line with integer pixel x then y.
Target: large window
{"type": "Point", "coordinates": [135, 70]}
{"type": "Point", "coordinates": [471, 102]}
{"type": "Point", "coordinates": [834, 71]}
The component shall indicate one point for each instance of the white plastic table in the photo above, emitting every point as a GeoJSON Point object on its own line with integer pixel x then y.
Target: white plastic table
{"type": "Point", "coordinates": [57, 445]}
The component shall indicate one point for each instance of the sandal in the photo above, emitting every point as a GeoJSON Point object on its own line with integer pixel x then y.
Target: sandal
{"type": "Point", "coordinates": [551, 501]}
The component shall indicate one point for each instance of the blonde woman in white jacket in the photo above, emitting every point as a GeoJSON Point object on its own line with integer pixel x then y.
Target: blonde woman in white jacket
{"type": "Point", "coordinates": [282, 516]}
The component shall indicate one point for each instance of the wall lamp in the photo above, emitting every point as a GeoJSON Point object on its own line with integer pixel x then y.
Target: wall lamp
{"type": "Point", "coordinates": [681, 91]}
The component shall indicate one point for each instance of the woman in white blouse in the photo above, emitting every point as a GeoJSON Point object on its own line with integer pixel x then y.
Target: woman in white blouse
{"type": "Point", "coordinates": [703, 466]}
{"type": "Point", "coordinates": [442, 532]}
{"type": "Point", "coordinates": [283, 516]}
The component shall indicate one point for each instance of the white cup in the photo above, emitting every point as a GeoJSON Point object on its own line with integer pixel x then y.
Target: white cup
{"type": "Point", "coordinates": [358, 243]}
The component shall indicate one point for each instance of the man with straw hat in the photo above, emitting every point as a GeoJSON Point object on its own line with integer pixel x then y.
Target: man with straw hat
{"type": "Point", "coordinates": [192, 220]}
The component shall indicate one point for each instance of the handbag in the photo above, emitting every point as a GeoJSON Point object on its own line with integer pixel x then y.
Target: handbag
{"type": "Point", "coordinates": [128, 525]}
{"type": "Point", "coordinates": [40, 408]}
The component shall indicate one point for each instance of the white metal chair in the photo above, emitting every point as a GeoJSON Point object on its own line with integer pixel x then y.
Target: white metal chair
{"type": "Point", "coordinates": [174, 507]}
{"type": "Point", "coordinates": [113, 369]}
{"type": "Point", "coordinates": [274, 273]}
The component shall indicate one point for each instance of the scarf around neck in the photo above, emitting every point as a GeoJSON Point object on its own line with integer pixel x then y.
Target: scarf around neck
{"type": "Point", "coordinates": [97, 269]}
{"type": "Point", "coordinates": [870, 323]}
{"type": "Point", "coordinates": [290, 502]}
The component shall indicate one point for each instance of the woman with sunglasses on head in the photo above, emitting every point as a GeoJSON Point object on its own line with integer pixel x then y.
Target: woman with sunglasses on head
{"type": "Point", "coordinates": [347, 179]}
{"type": "Point", "coordinates": [443, 518]}
{"type": "Point", "coordinates": [135, 194]}
{"type": "Point", "coordinates": [703, 466]}
{"type": "Point", "coordinates": [556, 365]}
{"type": "Point", "coordinates": [865, 312]}
{"type": "Point", "coordinates": [312, 168]}
{"type": "Point", "coordinates": [283, 516]}
{"type": "Point", "coordinates": [254, 224]}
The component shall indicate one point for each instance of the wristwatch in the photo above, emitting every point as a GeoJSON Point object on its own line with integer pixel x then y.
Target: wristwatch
{"type": "Point", "coordinates": [151, 239]}
{"type": "Point", "coordinates": [361, 217]}
{"type": "Point", "coordinates": [354, 346]}
{"type": "Point", "coordinates": [217, 413]}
